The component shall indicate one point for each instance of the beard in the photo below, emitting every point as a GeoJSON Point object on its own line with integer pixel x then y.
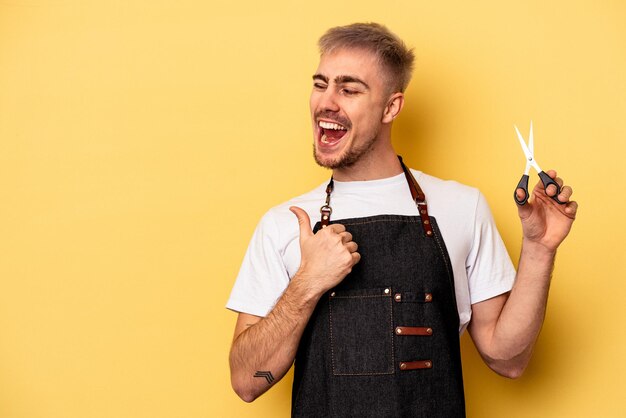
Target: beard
{"type": "Point", "coordinates": [349, 157]}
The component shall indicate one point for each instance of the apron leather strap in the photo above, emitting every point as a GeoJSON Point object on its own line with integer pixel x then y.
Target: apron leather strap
{"type": "Point", "coordinates": [326, 210]}
{"type": "Point", "coordinates": [419, 197]}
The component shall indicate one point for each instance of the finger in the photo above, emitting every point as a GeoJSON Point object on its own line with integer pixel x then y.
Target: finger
{"type": "Point", "coordinates": [571, 209]}
{"type": "Point", "coordinates": [520, 193]}
{"type": "Point", "coordinates": [352, 246]}
{"type": "Point", "coordinates": [559, 181]}
{"type": "Point", "coordinates": [303, 220]}
{"type": "Point", "coordinates": [525, 210]}
{"type": "Point", "coordinates": [551, 190]}
{"type": "Point", "coordinates": [346, 237]}
{"type": "Point", "coordinates": [336, 228]}
{"type": "Point", "coordinates": [356, 257]}
{"type": "Point", "coordinates": [566, 193]}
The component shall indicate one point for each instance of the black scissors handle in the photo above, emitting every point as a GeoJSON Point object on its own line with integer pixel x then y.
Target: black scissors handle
{"type": "Point", "coordinates": [523, 184]}
{"type": "Point", "coordinates": [545, 179]}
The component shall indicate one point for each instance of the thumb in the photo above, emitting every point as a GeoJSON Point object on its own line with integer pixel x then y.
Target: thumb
{"type": "Point", "coordinates": [524, 210]}
{"type": "Point", "coordinates": [303, 221]}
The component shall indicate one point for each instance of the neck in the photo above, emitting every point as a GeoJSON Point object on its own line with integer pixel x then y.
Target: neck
{"type": "Point", "coordinates": [376, 164]}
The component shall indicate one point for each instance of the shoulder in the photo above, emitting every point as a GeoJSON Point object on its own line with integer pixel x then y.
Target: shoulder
{"type": "Point", "coordinates": [448, 195]}
{"type": "Point", "coordinates": [461, 211]}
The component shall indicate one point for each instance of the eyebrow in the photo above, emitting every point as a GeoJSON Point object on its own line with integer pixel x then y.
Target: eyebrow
{"type": "Point", "coordinates": [320, 77]}
{"type": "Point", "coordinates": [342, 79]}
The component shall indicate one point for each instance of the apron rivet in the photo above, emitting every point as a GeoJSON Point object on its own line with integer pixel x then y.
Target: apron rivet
{"type": "Point", "coordinates": [332, 294]}
{"type": "Point", "coordinates": [325, 217]}
{"type": "Point", "coordinates": [429, 233]}
{"type": "Point", "coordinates": [429, 330]}
{"type": "Point", "coordinates": [387, 291]}
{"type": "Point", "coordinates": [398, 297]}
{"type": "Point", "coordinates": [398, 330]}
{"type": "Point", "coordinates": [428, 297]}
{"type": "Point", "coordinates": [426, 222]}
{"type": "Point", "coordinates": [428, 364]}
{"type": "Point", "coordinates": [402, 366]}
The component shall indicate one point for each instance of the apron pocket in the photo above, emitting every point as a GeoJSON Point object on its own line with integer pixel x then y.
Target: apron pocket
{"type": "Point", "coordinates": [361, 332]}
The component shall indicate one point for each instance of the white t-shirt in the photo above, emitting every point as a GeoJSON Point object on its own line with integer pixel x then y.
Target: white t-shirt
{"type": "Point", "coordinates": [481, 265]}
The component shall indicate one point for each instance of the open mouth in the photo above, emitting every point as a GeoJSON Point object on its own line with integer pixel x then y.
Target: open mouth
{"type": "Point", "coordinates": [331, 132]}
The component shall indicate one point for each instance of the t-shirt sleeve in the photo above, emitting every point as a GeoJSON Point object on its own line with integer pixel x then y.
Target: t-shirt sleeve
{"type": "Point", "coordinates": [262, 277]}
{"type": "Point", "coordinates": [490, 271]}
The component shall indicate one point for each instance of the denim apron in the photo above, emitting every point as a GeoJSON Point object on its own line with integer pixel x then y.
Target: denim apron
{"type": "Point", "coordinates": [385, 341]}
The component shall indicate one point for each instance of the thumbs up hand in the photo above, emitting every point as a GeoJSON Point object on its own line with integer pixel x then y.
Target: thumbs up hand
{"type": "Point", "coordinates": [328, 256]}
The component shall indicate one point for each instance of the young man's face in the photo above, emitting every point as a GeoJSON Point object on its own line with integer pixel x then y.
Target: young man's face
{"type": "Point", "coordinates": [347, 104]}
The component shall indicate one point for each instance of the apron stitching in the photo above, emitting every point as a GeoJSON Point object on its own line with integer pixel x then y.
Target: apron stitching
{"type": "Point", "coordinates": [443, 255]}
{"type": "Point", "coordinates": [445, 261]}
{"type": "Point", "coordinates": [365, 374]}
{"type": "Point", "coordinates": [332, 344]}
{"type": "Point", "coordinates": [382, 220]}
{"type": "Point", "coordinates": [393, 350]}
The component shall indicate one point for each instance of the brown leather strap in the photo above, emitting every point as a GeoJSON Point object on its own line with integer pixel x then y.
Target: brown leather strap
{"type": "Point", "coordinates": [423, 331]}
{"type": "Point", "coordinates": [326, 210]}
{"type": "Point", "coordinates": [413, 365]}
{"type": "Point", "coordinates": [419, 197]}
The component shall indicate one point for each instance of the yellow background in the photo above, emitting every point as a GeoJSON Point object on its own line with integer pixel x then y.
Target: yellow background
{"type": "Point", "coordinates": [141, 141]}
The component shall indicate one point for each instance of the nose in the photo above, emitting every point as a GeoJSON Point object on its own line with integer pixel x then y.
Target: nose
{"type": "Point", "coordinates": [328, 101]}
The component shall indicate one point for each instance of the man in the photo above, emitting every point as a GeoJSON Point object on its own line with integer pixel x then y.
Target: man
{"type": "Point", "coordinates": [371, 304]}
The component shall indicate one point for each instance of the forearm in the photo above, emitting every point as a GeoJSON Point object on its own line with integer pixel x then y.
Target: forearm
{"type": "Point", "coordinates": [268, 348]}
{"type": "Point", "coordinates": [264, 352]}
{"type": "Point", "coordinates": [505, 328]}
{"type": "Point", "coordinates": [520, 321]}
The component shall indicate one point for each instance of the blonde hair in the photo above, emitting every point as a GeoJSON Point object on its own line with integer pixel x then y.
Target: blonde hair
{"type": "Point", "coordinates": [392, 53]}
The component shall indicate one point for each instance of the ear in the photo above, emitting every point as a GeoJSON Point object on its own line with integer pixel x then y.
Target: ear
{"type": "Point", "coordinates": [393, 108]}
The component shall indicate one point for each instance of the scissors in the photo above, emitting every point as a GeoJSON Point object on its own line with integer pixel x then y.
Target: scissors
{"type": "Point", "coordinates": [530, 162]}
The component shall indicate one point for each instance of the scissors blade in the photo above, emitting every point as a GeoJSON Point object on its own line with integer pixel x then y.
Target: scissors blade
{"type": "Point", "coordinates": [527, 152]}
{"type": "Point", "coordinates": [531, 146]}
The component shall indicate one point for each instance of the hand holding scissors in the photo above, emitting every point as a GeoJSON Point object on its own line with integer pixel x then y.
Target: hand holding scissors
{"type": "Point", "coordinates": [530, 162]}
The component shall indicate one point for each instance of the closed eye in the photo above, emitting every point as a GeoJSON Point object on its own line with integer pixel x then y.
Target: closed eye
{"type": "Point", "coordinates": [320, 82]}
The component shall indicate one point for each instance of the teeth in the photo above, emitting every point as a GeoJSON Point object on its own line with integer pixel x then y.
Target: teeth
{"type": "Point", "coordinates": [333, 126]}
{"type": "Point", "coordinates": [324, 139]}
